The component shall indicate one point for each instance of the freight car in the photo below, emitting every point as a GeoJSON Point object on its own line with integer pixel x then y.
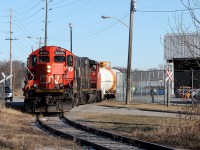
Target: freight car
{"type": "Point", "coordinates": [57, 80]}
{"type": "Point", "coordinates": [109, 80]}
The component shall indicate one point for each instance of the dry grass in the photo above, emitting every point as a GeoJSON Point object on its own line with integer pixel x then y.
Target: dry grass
{"type": "Point", "coordinates": [180, 132]}
{"type": "Point", "coordinates": [150, 106]}
{"type": "Point", "coordinates": [18, 131]}
{"type": "Point", "coordinates": [173, 132]}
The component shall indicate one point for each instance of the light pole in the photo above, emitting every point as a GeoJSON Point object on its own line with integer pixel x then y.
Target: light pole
{"type": "Point", "coordinates": [128, 79]}
{"type": "Point", "coordinates": [70, 26]}
{"type": "Point", "coordinates": [105, 17]}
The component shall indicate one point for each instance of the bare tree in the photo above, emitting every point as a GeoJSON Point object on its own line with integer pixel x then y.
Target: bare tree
{"type": "Point", "coordinates": [18, 72]}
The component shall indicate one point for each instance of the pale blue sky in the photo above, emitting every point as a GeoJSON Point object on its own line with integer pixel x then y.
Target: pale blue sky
{"type": "Point", "coordinates": [93, 37]}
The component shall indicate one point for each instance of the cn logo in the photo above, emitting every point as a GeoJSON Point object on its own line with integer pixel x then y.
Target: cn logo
{"type": "Point", "coordinates": [70, 69]}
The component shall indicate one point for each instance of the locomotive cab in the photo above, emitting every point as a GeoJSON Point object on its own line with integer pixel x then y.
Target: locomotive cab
{"type": "Point", "coordinates": [50, 78]}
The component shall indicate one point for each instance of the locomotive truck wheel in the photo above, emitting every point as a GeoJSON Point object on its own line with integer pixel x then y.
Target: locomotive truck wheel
{"type": "Point", "coordinates": [59, 106]}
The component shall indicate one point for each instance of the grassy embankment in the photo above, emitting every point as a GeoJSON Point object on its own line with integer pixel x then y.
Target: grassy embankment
{"type": "Point", "coordinates": [182, 131]}
{"type": "Point", "coordinates": [18, 131]}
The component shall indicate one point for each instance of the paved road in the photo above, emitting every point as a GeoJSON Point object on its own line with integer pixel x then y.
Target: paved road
{"type": "Point", "coordinates": [101, 109]}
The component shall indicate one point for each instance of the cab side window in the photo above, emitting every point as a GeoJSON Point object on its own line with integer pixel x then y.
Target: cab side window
{"type": "Point", "coordinates": [70, 60]}
{"type": "Point", "coordinates": [33, 60]}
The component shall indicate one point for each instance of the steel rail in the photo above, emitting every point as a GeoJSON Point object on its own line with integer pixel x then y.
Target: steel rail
{"type": "Point", "coordinates": [80, 141]}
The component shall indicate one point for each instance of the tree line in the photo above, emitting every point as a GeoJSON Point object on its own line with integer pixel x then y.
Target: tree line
{"type": "Point", "coordinates": [19, 72]}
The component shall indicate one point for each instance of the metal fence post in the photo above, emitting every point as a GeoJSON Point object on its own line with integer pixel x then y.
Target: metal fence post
{"type": "Point", "coordinates": [3, 100]}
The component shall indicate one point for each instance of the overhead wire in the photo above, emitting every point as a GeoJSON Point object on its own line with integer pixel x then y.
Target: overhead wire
{"type": "Point", "coordinates": [67, 4]}
{"type": "Point", "coordinates": [164, 11]}
{"type": "Point", "coordinates": [24, 23]}
{"type": "Point", "coordinates": [30, 9]}
{"type": "Point", "coordinates": [97, 31]}
{"type": "Point", "coordinates": [59, 2]}
{"type": "Point", "coordinates": [91, 33]}
{"type": "Point", "coordinates": [30, 16]}
{"type": "Point", "coordinates": [26, 5]}
{"type": "Point", "coordinates": [22, 26]}
{"type": "Point", "coordinates": [72, 11]}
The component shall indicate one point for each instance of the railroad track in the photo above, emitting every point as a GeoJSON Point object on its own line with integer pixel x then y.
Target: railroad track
{"type": "Point", "coordinates": [92, 138]}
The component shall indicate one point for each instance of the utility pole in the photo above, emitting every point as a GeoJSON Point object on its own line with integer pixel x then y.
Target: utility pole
{"type": "Point", "coordinates": [11, 85]}
{"type": "Point", "coordinates": [10, 39]}
{"type": "Point", "coordinates": [128, 80]}
{"type": "Point", "coordinates": [46, 24]}
{"type": "Point", "coordinates": [70, 26]}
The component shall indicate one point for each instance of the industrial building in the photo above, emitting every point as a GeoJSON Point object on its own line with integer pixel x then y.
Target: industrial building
{"type": "Point", "coordinates": [182, 55]}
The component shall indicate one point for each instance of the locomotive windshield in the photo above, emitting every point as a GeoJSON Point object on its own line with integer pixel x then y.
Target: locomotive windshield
{"type": "Point", "coordinates": [59, 58]}
{"type": "Point", "coordinates": [43, 58]}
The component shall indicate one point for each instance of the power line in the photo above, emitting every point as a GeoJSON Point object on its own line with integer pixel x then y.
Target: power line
{"type": "Point", "coordinates": [165, 11]}
{"type": "Point", "coordinates": [59, 2]}
{"type": "Point", "coordinates": [30, 9]}
{"type": "Point", "coordinates": [67, 4]}
{"type": "Point", "coordinates": [26, 5]}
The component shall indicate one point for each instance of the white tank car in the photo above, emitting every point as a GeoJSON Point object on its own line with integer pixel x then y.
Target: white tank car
{"type": "Point", "coordinates": [108, 82]}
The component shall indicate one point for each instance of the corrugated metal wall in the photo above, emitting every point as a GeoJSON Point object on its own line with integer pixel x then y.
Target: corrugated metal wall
{"type": "Point", "coordinates": [181, 46]}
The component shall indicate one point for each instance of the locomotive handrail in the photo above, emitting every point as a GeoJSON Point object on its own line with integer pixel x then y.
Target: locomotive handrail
{"type": "Point", "coordinates": [29, 72]}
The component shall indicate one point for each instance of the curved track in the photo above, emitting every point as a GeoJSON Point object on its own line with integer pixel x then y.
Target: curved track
{"type": "Point", "coordinates": [92, 138]}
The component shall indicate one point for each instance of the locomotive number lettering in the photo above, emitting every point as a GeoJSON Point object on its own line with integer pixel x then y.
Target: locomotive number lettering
{"type": "Point", "coordinates": [59, 53]}
{"type": "Point", "coordinates": [43, 53]}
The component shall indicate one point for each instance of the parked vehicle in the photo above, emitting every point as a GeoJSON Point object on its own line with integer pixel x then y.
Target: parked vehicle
{"type": "Point", "coordinates": [177, 93]}
{"type": "Point", "coordinates": [193, 93]}
{"type": "Point", "coordinates": [185, 93]}
{"type": "Point", "coordinates": [198, 94]}
{"type": "Point", "coordinates": [8, 94]}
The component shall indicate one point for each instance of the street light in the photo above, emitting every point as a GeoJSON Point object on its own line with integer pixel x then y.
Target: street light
{"type": "Point", "coordinates": [70, 26]}
{"type": "Point", "coordinates": [105, 17]}
{"type": "Point", "coordinates": [128, 79]}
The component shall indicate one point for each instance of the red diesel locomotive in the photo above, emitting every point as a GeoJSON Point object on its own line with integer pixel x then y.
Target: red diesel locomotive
{"type": "Point", "coordinates": [57, 80]}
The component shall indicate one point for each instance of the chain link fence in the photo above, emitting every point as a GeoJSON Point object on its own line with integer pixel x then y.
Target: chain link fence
{"type": "Point", "coordinates": [141, 84]}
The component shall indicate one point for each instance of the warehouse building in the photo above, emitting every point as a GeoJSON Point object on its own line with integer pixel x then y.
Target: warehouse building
{"type": "Point", "coordinates": [182, 55]}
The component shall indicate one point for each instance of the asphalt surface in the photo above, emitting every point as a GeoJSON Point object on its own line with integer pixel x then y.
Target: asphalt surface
{"type": "Point", "coordinates": [93, 108]}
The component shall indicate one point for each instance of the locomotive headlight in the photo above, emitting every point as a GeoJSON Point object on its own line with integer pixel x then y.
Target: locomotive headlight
{"type": "Point", "coordinates": [56, 86]}
{"type": "Point", "coordinates": [61, 85]}
{"type": "Point", "coordinates": [48, 68]}
{"type": "Point", "coordinates": [35, 85]}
